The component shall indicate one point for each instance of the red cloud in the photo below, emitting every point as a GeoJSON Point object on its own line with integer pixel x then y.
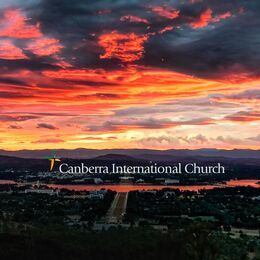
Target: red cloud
{"type": "Point", "coordinates": [46, 126]}
{"type": "Point", "coordinates": [203, 20]}
{"type": "Point", "coordinates": [15, 25]}
{"type": "Point", "coordinates": [44, 46]}
{"type": "Point", "coordinates": [133, 19]}
{"type": "Point", "coordinates": [8, 51]}
{"type": "Point", "coordinates": [244, 116]}
{"type": "Point", "coordinates": [166, 11]}
{"type": "Point", "coordinates": [220, 17]}
{"type": "Point", "coordinates": [48, 140]}
{"type": "Point", "coordinates": [166, 29]}
{"type": "Point", "coordinates": [125, 47]}
{"type": "Point", "coordinates": [206, 18]}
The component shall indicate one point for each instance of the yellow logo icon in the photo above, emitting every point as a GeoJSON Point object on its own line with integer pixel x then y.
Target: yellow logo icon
{"type": "Point", "coordinates": [52, 160]}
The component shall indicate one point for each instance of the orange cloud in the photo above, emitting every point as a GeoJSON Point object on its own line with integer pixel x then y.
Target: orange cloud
{"type": "Point", "coordinates": [47, 141]}
{"type": "Point", "coordinates": [207, 17]}
{"type": "Point", "coordinates": [44, 46]}
{"type": "Point", "coordinates": [147, 123]}
{"type": "Point", "coordinates": [89, 102]}
{"type": "Point", "coordinates": [8, 51]}
{"type": "Point", "coordinates": [84, 101]}
{"type": "Point", "coordinates": [133, 19]}
{"type": "Point", "coordinates": [15, 25]}
{"type": "Point", "coordinates": [220, 17]}
{"type": "Point", "coordinates": [203, 20]}
{"type": "Point", "coordinates": [166, 11]}
{"type": "Point", "coordinates": [166, 29]}
{"type": "Point", "coordinates": [125, 47]}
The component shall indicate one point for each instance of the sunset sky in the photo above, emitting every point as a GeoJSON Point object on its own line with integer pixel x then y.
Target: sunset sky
{"type": "Point", "coordinates": [129, 74]}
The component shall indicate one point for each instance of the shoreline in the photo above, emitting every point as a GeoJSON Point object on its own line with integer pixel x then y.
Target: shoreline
{"type": "Point", "coordinates": [124, 187]}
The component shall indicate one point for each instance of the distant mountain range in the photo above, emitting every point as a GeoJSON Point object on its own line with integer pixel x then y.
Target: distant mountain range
{"type": "Point", "coordinates": [146, 154]}
{"type": "Point", "coordinates": [238, 163]}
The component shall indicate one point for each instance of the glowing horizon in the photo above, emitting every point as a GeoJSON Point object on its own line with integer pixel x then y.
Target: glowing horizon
{"type": "Point", "coordinates": [157, 75]}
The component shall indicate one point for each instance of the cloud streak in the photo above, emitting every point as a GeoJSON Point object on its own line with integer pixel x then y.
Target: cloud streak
{"type": "Point", "coordinates": [46, 126]}
{"type": "Point", "coordinates": [130, 69]}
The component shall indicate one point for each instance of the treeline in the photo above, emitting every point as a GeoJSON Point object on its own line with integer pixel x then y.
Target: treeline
{"type": "Point", "coordinates": [224, 207]}
{"type": "Point", "coordinates": [198, 242]}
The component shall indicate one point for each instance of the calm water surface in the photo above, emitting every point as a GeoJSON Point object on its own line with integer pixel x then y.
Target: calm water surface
{"type": "Point", "coordinates": [127, 187]}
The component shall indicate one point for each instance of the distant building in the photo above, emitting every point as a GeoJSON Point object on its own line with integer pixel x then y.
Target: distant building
{"type": "Point", "coordinates": [140, 181]}
{"type": "Point", "coordinates": [162, 228]}
{"type": "Point", "coordinates": [98, 181]}
{"type": "Point", "coordinates": [171, 181]}
{"type": "Point", "coordinates": [97, 194]}
{"type": "Point", "coordinates": [102, 191]}
{"type": "Point", "coordinates": [42, 191]}
{"type": "Point", "coordinates": [148, 191]}
{"type": "Point", "coordinates": [168, 194]}
{"type": "Point", "coordinates": [106, 226]}
{"type": "Point", "coordinates": [126, 179]}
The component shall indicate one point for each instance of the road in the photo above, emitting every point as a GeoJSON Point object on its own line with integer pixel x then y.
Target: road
{"type": "Point", "coordinates": [117, 209]}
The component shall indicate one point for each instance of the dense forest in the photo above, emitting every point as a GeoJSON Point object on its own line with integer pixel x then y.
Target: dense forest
{"type": "Point", "coordinates": [198, 242]}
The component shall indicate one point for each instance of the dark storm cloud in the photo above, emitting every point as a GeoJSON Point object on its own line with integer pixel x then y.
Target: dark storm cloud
{"type": "Point", "coordinates": [232, 45]}
{"type": "Point", "coordinates": [87, 82]}
{"type": "Point", "coordinates": [100, 96]}
{"type": "Point", "coordinates": [10, 81]}
{"type": "Point", "coordinates": [79, 24]}
{"type": "Point", "coordinates": [10, 95]}
{"type": "Point", "coordinates": [46, 126]}
{"type": "Point", "coordinates": [14, 127]}
{"type": "Point", "coordinates": [250, 94]}
{"type": "Point", "coordinates": [32, 65]}
{"type": "Point", "coordinates": [147, 123]}
{"type": "Point", "coordinates": [224, 50]}
{"type": "Point", "coordinates": [5, 118]}
{"type": "Point", "coordinates": [244, 116]}
{"type": "Point", "coordinates": [106, 95]}
{"type": "Point", "coordinates": [40, 114]}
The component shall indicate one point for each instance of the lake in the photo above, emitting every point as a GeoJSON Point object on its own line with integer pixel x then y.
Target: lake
{"type": "Point", "coordinates": [129, 187]}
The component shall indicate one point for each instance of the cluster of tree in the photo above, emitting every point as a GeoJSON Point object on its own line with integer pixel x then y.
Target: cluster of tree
{"type": "Point", "coordinates": [41, 209]}
{"type": "Point", "coordinates": [224, 206]}
{"type": "Point", "coordinates": [198, 242]}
